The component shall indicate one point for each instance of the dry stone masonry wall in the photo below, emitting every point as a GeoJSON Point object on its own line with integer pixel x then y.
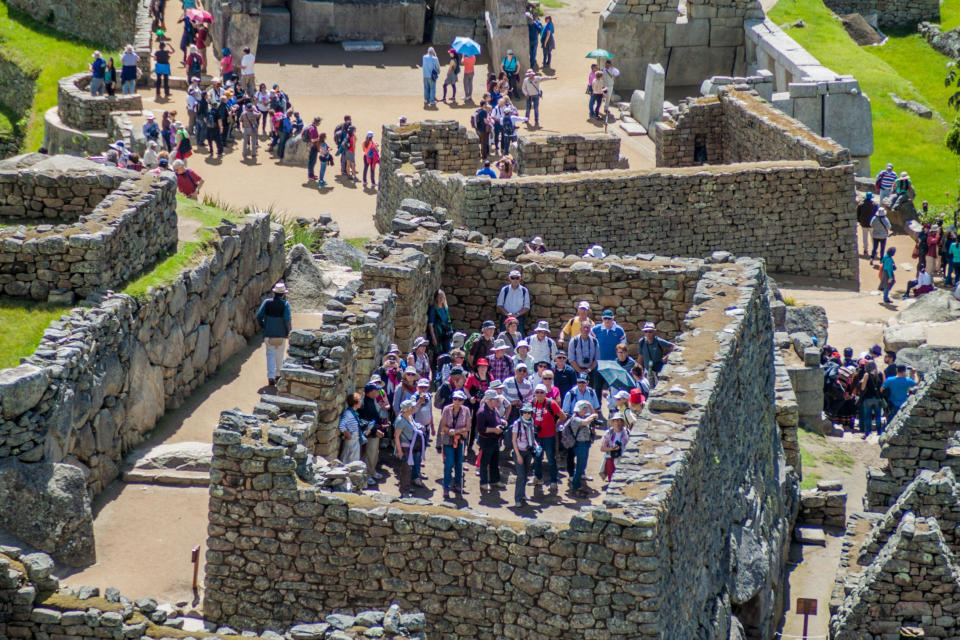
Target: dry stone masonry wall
{"type": "Point", "coordinates": [922, 436]}
{"type": "Point", "coordinates": [326, 363]}
{"type": "Point", "coordinates": [890, 13]}
{"type": "Point", "coordinates": [103, 375]}
{"type": "Point", "coordinates": [537, 155]}
{"type": "Point", "coordinates": [90, 227]}
{"type": "Point", "coordinates": [281, 549]}
{"type": "Point", "coordinates": [106, 21]}
{"type": "Point", "coordinates": [79, 109]}
{"type": "Point", "coordinates": [737, 126]}
{"type": "Point", "coordinates": [825, 506]}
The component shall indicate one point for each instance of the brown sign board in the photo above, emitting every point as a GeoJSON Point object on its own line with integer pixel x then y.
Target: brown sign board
{"type": "Point", "coordinates": [807, 606]}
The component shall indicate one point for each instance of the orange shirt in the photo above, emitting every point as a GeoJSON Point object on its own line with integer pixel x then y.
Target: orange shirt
{"type": "Point", "coordinates": [468, 62]}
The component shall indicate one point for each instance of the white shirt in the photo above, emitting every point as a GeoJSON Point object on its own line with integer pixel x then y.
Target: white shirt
{"type": "Point", "coordinates": [610, 75]}
{"type": "Point", "coordinates": [924, 279]}
{"type": "Point", "coordinates": [246, 64]}
{"type": "Point", "coordinates": [513, 299]}
{"type": "Point", "coordinates": [542, 350]}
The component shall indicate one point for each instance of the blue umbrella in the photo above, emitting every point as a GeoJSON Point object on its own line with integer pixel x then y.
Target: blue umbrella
{"type": "Point", "coordinates": [466, 46]}
{"type": "Point", "coordinates": [615, 375]}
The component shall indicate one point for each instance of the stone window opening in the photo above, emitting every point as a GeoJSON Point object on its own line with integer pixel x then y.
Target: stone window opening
{"type": "Point", "coordinates": [700, 149]}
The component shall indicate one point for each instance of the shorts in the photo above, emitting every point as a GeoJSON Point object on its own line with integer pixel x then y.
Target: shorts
{"type": "Point", "coordinates": [348, 156]}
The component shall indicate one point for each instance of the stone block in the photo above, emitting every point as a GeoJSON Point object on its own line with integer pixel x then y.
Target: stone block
{"type": "Point", "coordinates": [848, 120]}
{"type": "Point", "coordinates": [275, 25]}
{"type": "Point", "coordinates": [689, 66]}
{"type": "Point", "coordinates": [310, 21]}
{"type": "Point", "coordinates": [445, 29]}
{"type": "Point", "coordinates": [808, 110]}
{"type": "Point", "coordinates": [721, 36]}
{"type": "Point", "coordinates": [695, 33]}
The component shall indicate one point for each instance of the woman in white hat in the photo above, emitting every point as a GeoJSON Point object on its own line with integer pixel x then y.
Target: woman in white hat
{"type": "Point", "coordinates": [275, 319]}
{"type": "Point", "coordinates": [410, 444]}
{"type": "Point", "coordinates": [419, 359]}
{"type": "Point", "coordinates": [536, 245]}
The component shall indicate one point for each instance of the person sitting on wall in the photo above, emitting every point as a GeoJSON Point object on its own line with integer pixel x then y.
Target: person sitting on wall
{"type": "Point", "coordinates": [923, 284]}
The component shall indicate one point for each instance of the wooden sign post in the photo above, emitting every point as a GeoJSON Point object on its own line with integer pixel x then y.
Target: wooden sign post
{"type": "Point", "coordinates": [807, 607]}
{"type": "Point", "coordinates": [195, 559]}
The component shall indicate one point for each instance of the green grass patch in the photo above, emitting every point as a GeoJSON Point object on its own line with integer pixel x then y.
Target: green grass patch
{"type": "Point", "coordinates": [552, 4]}
{"type": "Point", "coordinates": [188, 253]}
{"type": "Point", "coordinates": [810, 480]}
{"type": "Point", "coordinates": [25, 322]}
{"type": "Point", "coordinates": [359, 243]}
{"type": "Point", "coordinates": [53, 54]}
{"type": "Point", "coordinates": [900, 66]}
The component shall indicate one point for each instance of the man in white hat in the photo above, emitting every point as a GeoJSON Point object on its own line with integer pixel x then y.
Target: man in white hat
{"type": "Point", "coordinates": [879, 231]}
{"type": "Point", "coordinates": [571, 328]}
{"type": "Point", "coordinates": [501, 365]}
{"type": "Point", "coordinates": [653, 351]}
{"type": "Point", "coordinates": [542, 347]}
{"type": "Point", "coordinates": [514, 300]}
{"type": "Point", "coordinates": [274, 317]}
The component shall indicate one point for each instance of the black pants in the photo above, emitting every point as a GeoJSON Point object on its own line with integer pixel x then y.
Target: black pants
{"type": "Point", "coordinates": [490, 461]}
{"type": "Point", "coordinates": [166, 84]}
{"type": "Point", "coordinates": [213, 137]}
{"type": "Point", "coordinates": [878, 242]}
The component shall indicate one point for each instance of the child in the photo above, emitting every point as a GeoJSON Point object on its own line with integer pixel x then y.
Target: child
{"type": "Point", "coordinates": [614, 441]}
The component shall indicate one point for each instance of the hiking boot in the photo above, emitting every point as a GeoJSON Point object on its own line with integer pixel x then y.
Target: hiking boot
{"type": "Point", "coordinates": [484, 487]}
{"type": "Point", "coordinates": [418, 482]}
{"type": "Point", "coordinates": [500, 485]}
{"type": "Point", "coordinates": [554, 488]}
{"type": "Point", "coordinates": [271, 381]}
{"type": "Point", "coordinates": [371, 482]}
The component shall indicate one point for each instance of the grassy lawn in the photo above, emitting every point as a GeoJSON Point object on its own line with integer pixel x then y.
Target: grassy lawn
{"type": "Point", "coordinates": [821, 459]}
{"type": "Point", "coordinates": [25, 323]}
{"type": "Point", "coordinates": [35, 45]}
{"type": "Point", "coordinates": [188, 253]}
{"type": "Point", "coordinates": [904, 65]}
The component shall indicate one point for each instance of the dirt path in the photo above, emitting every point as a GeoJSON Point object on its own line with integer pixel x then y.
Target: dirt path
{"type": "Point", "coordinates": [376, 88]}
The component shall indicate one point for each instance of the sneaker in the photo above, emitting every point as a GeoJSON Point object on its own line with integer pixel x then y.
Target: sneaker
{"type": "Point", "coordinates": [522, 503]}
{"type": "Point", "coordinates": [418, 482]}
{"type": "Point", "coordinates": [446, 495]}
{"type": "Point", "coordinates": [321, 183]}
{"type": "Point", "coordinates": [271, 381]}
{"type": "Point", "coordinates": [484, 487]}
{"type": "Point", "coordinates": [500, 485]}
{"type": "Point", "coordinates": [371, 482]}
{"type": "Point", "coordinates": [554, 488]}
{"type": "Point", "coordinates": [379, 476]}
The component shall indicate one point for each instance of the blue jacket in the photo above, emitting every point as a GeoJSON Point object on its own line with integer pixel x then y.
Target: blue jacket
{"type": "Point", "coordinates": [574, 396]}
{"type": "Point", "coordinates": [430, 64]}
{"type": "Point", "coordinates": [274, 317]}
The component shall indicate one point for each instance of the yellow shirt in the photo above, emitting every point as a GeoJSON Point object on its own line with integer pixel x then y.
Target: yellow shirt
{"type": "Point", "coordinates": [570, 329]}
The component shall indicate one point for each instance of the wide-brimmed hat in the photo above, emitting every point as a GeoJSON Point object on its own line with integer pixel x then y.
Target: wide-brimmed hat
{"type": "Point", "coordinates": [393, 348]}
{"type": "Point", "coordinates": [596, 251]}
{"type": "Point", "coordinates": [500, 345]}
{"type": "Point", "coordinates": [526, 408]}
{"type": "Point", "coordinates": [150, 116]}
{"type": "Point", "coordinates": [459, 395]}
{"type": "Point", "coordinates": [482, 362]}
{"type": "Point", "coordinates": [636, 396]}
{"type": "Point", "coordinates": [420, 341]}
{"type": "Point", "coordinates": [280, 288]}
{"type": "Point", "coordinates": [523, 343]}
{"type": "Point", "coordinates": [621, 394]}
{"type": "Point", "coordinates": [496, 384]}
{"type": "Point", "coordinates": [521, 365]}
{"type": "Point", "coordinates": [408, 404]}
{"type": "Point", "coordinates": [490, 394]}
{"type": "Point", "coordinates": [581, 405]}
{"type": "Point", "coordinates": [543, 325]}
{"type": "Point", "coordinates": [537, 241]}
{"type": "Point", "coordinates": [488, 324]}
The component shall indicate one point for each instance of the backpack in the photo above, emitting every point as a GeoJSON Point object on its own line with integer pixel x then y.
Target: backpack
{"type": "Point", "coordinates": [338, 134]}
{"type": "Point", "coordinates": [478, 119]}
{"type": "Point", "coordinates": [468, 343]}
{"type": "Point", "coordinates": [442, 360]}
{"type": "Point", "coordinates": [567, 437]}
{"type": "Point", "coordinates": [184, 146]}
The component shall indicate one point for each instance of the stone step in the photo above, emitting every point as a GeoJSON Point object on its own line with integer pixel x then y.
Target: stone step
{"type": "Point", "coordinates": [810, 535]}
{"type": "Point", "coordinates": [362, 45]}
{"type": "Point", "coordinates": [633, 128]}
{"type": "Point", "coordinates": [167, 478]}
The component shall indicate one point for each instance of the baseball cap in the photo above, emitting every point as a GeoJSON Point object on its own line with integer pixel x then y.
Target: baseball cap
{"type": "Point", "coordinates": [482, 362]}
{"type": "Point", "coordinates": [581, 377]}
{"type": "Point", "coordinates": [649, 326]}
{"type": "Point", "coordinates": [621, 394]}
{"type": "Point", "coordinates": [423, 382]}
{"type": "Point", "coordinates": [607, 313]}
{"type": "Point", "coordinates": [540, 387]}
{"type": "Point", "coordinates": [488, 324]}
{"type": "Point", "coordinates": [370, 387]}
{"type": "Point", "coordinates": [515, 273]}
{"type": "Point", "coordinates": [456, 371]}
{"type": "Point", "coordinates": [584, 305]}
{"type": "Point", "coordinates": [521, 365]}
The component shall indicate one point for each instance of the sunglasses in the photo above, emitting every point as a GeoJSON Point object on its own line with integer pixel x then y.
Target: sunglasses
{"type": "Point", "coordinates": [539, 393]}
{"type": "Point", "coordinates": [458, 399]}
{"type": "Point", "coordinates": [514, 277]}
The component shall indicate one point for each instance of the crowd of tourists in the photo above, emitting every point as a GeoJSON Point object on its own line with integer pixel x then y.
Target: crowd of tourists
{"type": "Point", "coordinates": [865, 391]}
{"type": "Point", "coordinates": [512, 394]}
{"type": "Point", "coordinates": [937, 250]}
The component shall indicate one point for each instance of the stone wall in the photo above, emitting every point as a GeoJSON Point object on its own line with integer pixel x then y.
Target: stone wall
{"type": "Point", "coordinates": [19, 84]}
{"type": "Point", "coordinates": [737, 126]}
{"type": "Point", "coordinates": [540, 154]}
{"type": "Point", "coordinates": [654, 289]}
{"type": "Point", "coordinates": [77, 108]}
{"type": "Point", "coordinates": [389, 21]}
{"type": "Point", "coordinates": [92, 227]}
{"type": "Point", "coordinates": [326, 363]}
{"type": "Point", "coordinates": [921, 436]}
{"type": "Point", "coordinates": [108, 22]}
{"type": "Point", "coordinates": [825, 506]}
{"type": "Point", "coordinates": [890, 13]}
{"type": "Point", "coordinates": [280, 549]}
{"type": "Point", "coordinates": [104, 374]}
{"type": "Point", "coordinates": [707, 41]}
{"type": "Point", "coordinates": [747, 209]}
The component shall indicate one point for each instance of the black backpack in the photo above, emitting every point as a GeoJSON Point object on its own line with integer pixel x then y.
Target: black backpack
{"type": "Point", "coordinates": [479, 120]}
{"type": "Point", "coordinates": [338, 134]}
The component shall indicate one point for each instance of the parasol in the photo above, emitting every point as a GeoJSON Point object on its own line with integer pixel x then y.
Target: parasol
{"type": "Point", "coordinates": [600, 53]}
{"type": "Point", "coordinates": [199, 14]}
{"type": "Point", "coordinates": [465, 46]}
{"type": "Point", "coordinates": [614, 375]}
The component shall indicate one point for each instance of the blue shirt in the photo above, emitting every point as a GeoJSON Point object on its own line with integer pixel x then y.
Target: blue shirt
{"type": "Point", "coordinates": [487, 171]}
{"type": "Point", "coordinates": [533, 30]}
{"type": "Point", "coordinates": [574, 396]}
{"type": "Point", "coordinates": [98, 68]}
{"type": "Point", "coordinates": [609, 339]}
{"type": "Point", "coordinates": [888, 265]}
{"type": "Point", "coordinates": [430, 64]}
{"type": "Point", "coordinates": [899, 388]}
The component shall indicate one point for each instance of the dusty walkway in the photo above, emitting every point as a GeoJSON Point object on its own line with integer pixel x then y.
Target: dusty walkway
{"type": "Point", "coordinates": [376, 88]}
